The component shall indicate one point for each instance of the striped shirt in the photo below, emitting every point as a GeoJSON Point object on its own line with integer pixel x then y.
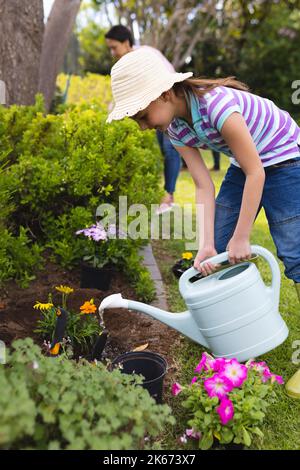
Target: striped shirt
{"type": "Point", "coordinates": [275, 134]}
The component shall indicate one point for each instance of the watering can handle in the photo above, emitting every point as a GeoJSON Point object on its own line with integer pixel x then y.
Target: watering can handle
{"type": "Point", "coordinates": [255, 249]}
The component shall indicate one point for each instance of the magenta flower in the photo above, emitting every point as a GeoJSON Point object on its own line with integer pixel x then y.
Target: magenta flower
{"type": "Point", "coordinates": [192, 434]}
{"type": "Point", "coordinates": [209, 363]}
{"type": "Point", "coordinates": [217, 364]}
{"type": "Point", "coordinates": [176, 389]}
{"type": "Point", "coordinates": [202, 364]}
{"type": "Point", "coordinates": [218, 386]}
{"type": "Point", "coordinates": [194, 379]}
{"type": "Point", "coordinates": [235, 372]}
{"type": "Point", "coordinates": [225, 410]}
{"type": "Point", "coordinates": [277, 378]}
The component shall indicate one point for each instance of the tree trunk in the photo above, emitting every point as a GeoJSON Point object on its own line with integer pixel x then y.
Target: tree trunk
{"type": "Point", "coordinates": [21, 36]}
{"type": "Point", "coordinates": [57, 34]}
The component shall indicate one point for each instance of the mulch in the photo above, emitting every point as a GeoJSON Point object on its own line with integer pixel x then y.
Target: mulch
{"type": "Point", "coordinates": [127, 329]}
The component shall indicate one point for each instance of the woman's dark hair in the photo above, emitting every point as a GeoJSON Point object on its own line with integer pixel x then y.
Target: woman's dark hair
{"type": "Point", "coordinates": [120, 33]}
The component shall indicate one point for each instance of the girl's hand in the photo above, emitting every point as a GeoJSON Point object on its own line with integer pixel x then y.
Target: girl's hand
{"type": "Point", "coordinates": [239, 250]}
{"type": "Point", "coordinates": [204, 253]}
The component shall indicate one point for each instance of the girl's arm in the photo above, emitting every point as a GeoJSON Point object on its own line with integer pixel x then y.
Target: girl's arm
{"type": "Point", "coordinates": [205, 195]}
{"type": "Point", "coordinates": [236, 134]}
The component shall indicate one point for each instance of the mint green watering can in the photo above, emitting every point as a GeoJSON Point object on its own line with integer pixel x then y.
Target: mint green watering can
{"type": "Point", "coordinates": [231, 312]}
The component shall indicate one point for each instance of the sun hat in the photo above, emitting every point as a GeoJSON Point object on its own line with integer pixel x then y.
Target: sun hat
{"type": "Point", "coordinates": [138, 78]}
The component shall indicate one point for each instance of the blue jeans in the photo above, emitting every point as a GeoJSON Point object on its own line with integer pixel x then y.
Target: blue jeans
{"type": "Point", "coordinates": [281, 201]}
{"type": "Point", "coordinates": [172, 161]}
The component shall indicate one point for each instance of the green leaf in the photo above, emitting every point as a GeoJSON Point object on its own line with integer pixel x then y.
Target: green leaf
{"type": "Point", "coordinates": [206, 441]}
{"type": "Point", "coordinates": [246, 437]}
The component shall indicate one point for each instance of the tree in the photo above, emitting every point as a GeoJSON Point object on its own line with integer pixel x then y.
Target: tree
{"type": "Point", "coordinates": [57, 34]}
{"type": "Point", "coordinates": [21, 36]}
{"type": "Point", "coordinates": [172, 26]}
{"type": "Point", "coordinates": [94, 53]}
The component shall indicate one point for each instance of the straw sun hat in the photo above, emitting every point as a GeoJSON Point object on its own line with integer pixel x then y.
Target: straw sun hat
{"type": "Point", "coordinates": [138, 78]}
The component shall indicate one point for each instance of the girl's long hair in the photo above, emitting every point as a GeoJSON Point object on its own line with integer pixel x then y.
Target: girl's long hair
{"type": "Point", "coordinates": [200, 86]}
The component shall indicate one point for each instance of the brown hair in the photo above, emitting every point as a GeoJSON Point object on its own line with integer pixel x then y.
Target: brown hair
{"type": "Point", "coordinates": [200, 86]}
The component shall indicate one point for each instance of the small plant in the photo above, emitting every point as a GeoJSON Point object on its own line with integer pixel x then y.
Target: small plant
{"type": "Point", "coordinates": [183, 264]}
{"type": "Point", "coordinates": [62, 404]}
{"type": "Point", "coordinates": [98, 252]}
{"type": "Point", "coordinates": [82, 328]}
{"type": "Point", "coordinates": [227, 400]}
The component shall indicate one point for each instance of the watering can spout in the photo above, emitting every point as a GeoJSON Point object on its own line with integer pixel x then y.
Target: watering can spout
{"type": "Point", "coordinates": [182, 322]}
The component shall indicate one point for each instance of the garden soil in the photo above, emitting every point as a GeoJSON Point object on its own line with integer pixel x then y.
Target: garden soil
{"type": "Point", "coordinates": [127, 329]}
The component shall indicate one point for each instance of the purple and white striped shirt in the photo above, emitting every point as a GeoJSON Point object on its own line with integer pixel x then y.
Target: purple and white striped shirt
{"type": "Point", "coordinates": [275, 134]}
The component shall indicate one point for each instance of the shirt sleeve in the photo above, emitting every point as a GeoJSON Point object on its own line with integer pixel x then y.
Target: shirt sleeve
{"type": "Point", "coordinates": [173, 138]}
{"type": "Point", "coordinates": [220, 105]}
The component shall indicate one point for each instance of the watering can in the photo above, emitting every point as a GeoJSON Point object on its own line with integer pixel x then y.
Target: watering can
{"type": "Point", "coordinates": [231, 312]}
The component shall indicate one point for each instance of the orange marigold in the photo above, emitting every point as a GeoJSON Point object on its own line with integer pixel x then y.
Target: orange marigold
{"type": "Point", "coordinates": [88, 307]}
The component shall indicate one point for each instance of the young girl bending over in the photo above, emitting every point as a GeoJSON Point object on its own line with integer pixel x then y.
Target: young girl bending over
{"type": "Point", "coordinates": [260, 139]}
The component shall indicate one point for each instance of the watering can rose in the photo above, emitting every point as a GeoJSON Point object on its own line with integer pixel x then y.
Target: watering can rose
{"type": "Point", "coordinates": [227, 400]}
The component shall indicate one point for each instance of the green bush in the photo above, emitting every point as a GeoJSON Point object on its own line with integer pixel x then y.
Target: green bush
{"type": "Point", "coordinates": [60, 168]}
{"type": "Point", "coordinates": [19, 258]}
{"type": "Point", "coordinates": [56, 403]}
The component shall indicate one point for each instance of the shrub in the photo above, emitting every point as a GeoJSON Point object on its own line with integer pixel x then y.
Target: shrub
{"type": "Point", "coordinates": [60, 168]}
{"type": "Point", "coordinates": [19, 257]}
{"type": "Point", "coordinates": [56, 403]}
{"type": "Point", "coordinates": [90, 89]}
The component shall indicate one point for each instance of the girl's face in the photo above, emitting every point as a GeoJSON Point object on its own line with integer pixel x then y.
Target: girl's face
{"type": "Point", "coordinates": [158, 115]}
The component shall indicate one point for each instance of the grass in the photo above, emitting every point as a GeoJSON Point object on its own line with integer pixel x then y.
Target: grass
{"type": "Point", "coordinates": [282, 423]}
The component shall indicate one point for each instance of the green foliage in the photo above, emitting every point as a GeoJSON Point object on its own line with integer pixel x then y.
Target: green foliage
{"type": "Point", "coordinates": [94, 54]}
{"type": "Point", "coordinates": [19, 258]}
{"type": "Point", "coordinates": [92, 89]}
{"type": "Point", "coordinates": [140, 277]}
{"type": "Point", "coordinates": [55, 403]}
{"type": "Point", "coordinates": [60, 168]}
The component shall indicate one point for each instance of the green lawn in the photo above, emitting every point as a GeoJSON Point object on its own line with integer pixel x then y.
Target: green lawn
{"type": "Point", "coordinates": [282, 424]}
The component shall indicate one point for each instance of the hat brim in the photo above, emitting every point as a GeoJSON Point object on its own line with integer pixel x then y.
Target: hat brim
{"type": "Point", "coordinates": [127, 109]}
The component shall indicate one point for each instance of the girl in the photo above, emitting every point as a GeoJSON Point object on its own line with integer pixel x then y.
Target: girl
{"type": "Point", "coordinates": [260, 139]}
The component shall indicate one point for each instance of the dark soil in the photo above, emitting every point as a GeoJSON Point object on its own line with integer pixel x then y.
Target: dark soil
{"type": "Point", "coordinates": [127, 329]}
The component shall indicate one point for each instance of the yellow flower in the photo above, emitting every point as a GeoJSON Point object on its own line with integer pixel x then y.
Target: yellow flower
{"type": "Point", "coordinates": [41, 306]}
{"type": "Point", "coordinates": [88, 307]}
{"type": "Point", "coordinates": [64, 289]}
{"type": "Point", "coordinates": [187, 255]}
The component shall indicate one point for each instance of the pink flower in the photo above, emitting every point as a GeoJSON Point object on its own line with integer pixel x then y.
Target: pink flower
{"type": "Point", "coordinates": [259, 366]}
{"type": "Point", "coordinates": [202, 364]}
{"type": "Point", "coordinates": [218, 364]}
{"type": "Point", "coordinates": [277, 378]}
{"type": "Point", "coordinates": [266, 375]}
{"type": "Point", "coordinates": [235, 372]}
{"type": "Point", "coordinates": [194, 379]}
{"type": "Point", "coordinates": [192, 434]}
{"type": "Point", "coordinates": [218, 386]}
{"type": "Point", "coordinates": [176, 389]}
{"type": "Point", "coordinates": [225, 410]}
{"type": "Point", "coordinates": [209, 363]}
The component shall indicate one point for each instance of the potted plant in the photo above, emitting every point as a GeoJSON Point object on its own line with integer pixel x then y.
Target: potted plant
{"type": "Point", "coordinates": [100, 257]}
{"type": "Point", "coordinates": [226, 401]}
{"type": "Point", "coordinates": [183, 264]}
{"type": "Point", "coordinates": [62, 328]}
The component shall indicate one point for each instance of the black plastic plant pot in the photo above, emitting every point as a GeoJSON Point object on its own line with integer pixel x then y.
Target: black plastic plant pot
{"type": "Point", "coordinates": [148, 364]}
{"type": "Point", "coordinates": [179, 268]}
{"type": "Point", "coordinates": [95, 278]}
